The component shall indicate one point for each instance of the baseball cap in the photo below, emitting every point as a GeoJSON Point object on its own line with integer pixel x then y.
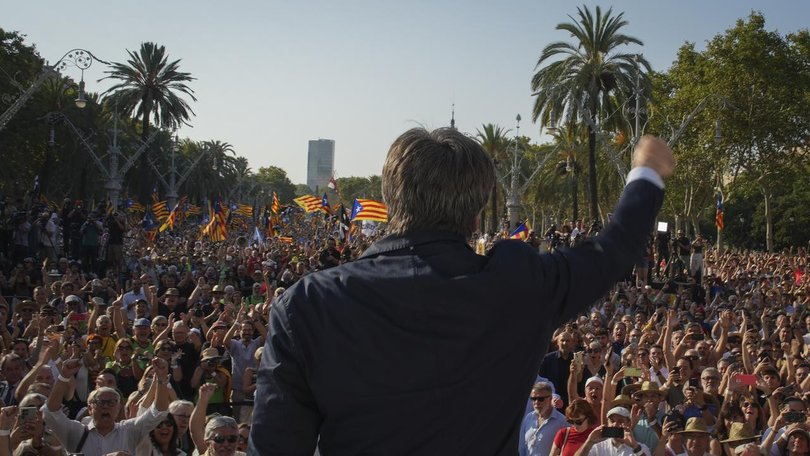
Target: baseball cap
{"type": "Point", "coordinates": [141, 322]}
{"type": "Point", "coordinates": [594, 379]}
{"type": "Point", "coordinates": [621, 411]}
{"type": "Point", "coordinates": [73, 298]}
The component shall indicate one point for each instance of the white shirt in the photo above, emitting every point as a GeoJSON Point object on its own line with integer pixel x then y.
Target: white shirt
{"type": "Point", "coordinates": [607, 448]}
{"type": "Point", "coordinates": [126, 434]}
{"type": "Point", "coordinates": [129, 302]}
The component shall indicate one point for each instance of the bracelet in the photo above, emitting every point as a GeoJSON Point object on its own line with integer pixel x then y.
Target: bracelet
{"type": "Point", "coordinates": [5, 432]}
{"type": "Point", "coordinates": [63, 379]}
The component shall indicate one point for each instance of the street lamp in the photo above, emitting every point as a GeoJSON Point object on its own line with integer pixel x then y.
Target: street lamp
{"type": "Point", "coordinates": [79, 58]}
{"type": "Point", "coordinates": [552, 122]}
{"type": "Point", "coordinates": [81, 101]}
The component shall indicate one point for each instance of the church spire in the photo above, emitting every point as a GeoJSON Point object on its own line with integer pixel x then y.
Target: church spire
{"type": "Point", "coordinates": [453, 117]}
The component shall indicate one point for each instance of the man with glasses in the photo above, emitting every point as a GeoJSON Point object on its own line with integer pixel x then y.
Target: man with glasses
{"type": "Point", "coordinates": [541, 424]}
{"type": "Point", "coordinates": [710, 381]}
{"type": "Point", "coordinates": [104, 435]}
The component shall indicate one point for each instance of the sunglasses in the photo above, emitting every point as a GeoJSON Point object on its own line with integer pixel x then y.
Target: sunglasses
{"type": "Point", "coordinates": [539, 398]}
{"type": "Point", "coordinates": [168, 349]}
{"type": "Point", "coordinates": [576, 422]}
{"type": "Point", "coordinates": [748, 404]}
{"type": "Point", "coordinates": [166, 423]}
{"type": "Point", "coordinates": [593, 350]}
{"type": "Point", "coordinates": [222, 439]}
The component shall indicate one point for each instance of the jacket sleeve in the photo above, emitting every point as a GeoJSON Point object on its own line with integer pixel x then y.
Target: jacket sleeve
{"type": "Point", "coordinates": [286, 419]}
{"type": "Point", "coordinates": [575, 278]}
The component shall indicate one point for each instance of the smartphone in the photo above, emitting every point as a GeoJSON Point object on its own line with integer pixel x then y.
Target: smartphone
{"type": "Point", "coordinates": [697, 336]}
{"type": "Point", "coordinates": [745, 380]}
{"type": "Point", "coordinates": [694, 382]}
{"type": "Point", "coordinates": [578, 358]}
{"type": "Point", "coordinates": [632, 372]}
{"type": "Point", "coordinates": [28, 413]}
{"type": "Point", "coordinates": [609, 432]}
{"type": "Point", "coordinates": [795, 417]}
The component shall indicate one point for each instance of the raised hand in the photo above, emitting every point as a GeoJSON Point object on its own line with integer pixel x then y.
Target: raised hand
{"type": "Point", "coordinates": [207, 391]}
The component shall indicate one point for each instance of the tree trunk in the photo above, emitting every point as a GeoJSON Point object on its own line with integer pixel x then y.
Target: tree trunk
{"type": "Point", "coordinates": [144, 183]}
{"type": "Point", "coordinates": [574, 196]}
{"type": "Point", "coordinates": [494, 200]}
{"type": "Point", "coordinates": [592, 191]}
{"type": "Point", "coordinates": [768, 219]}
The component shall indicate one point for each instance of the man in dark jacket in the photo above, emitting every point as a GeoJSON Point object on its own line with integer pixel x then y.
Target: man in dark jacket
{"type": "Point", "coordinates": [421, 346]}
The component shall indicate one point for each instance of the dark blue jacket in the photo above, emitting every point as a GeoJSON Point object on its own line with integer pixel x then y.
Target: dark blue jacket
{"type": "Point", "coordinates": [423, 347]}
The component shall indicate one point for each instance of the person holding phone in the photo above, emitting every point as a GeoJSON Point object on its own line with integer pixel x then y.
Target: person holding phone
{"type": "Point", "coordinates": [616, 438]}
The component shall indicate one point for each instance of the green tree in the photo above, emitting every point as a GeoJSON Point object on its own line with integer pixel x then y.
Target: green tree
{"type": "Point", "coordinates": [494, 140]}
{"type": "Point", "coordinates": [591, 80]}
{"type": "Point", "coordinates": [276, 180]}
{"type": "Point", "coordinates": [151, 87]}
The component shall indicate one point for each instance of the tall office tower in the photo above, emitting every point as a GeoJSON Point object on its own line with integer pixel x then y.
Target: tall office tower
{"type": "Point", "coordinates": [320, 163]}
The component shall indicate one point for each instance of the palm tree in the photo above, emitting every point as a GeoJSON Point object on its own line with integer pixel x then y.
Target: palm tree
{"type": "Point", "coordinates": [150, 87]}
{"type": "Point", "coordinates": [568, 137]}
{"type": "Point", "coordinates": [494, 140]}
{"type": "Point", "coordinates": [591, 79]}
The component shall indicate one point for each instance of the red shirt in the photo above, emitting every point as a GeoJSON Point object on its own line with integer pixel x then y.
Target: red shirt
{"type": "Point", "coordinates": [574, 441]}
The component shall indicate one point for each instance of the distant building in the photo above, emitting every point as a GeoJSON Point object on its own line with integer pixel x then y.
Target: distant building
{"type": "Point", "coordinates": [320, 163]}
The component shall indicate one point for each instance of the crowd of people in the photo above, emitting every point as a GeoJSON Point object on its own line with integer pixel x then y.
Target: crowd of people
{"type": "Point", "coordinates": [114, 342]}
{"type": "Point", "coordinates": [700, 352]}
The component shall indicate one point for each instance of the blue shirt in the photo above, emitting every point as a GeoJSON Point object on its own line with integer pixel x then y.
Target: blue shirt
{"type": "Point", "coordinates": [537, 440]}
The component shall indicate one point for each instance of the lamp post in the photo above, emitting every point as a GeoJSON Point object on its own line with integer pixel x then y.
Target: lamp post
{"type": "Point", "coordinates": [79, 58]}
{"type": "Point", "coordinates": [512, 203]}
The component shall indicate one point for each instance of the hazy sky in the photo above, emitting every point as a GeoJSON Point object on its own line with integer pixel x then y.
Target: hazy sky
{"type": "Point", "coordinates": [272, 75]}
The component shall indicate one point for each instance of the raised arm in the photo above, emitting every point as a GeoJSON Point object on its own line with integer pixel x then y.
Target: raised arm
{"type": "Point", "coordinates": [196, 424]}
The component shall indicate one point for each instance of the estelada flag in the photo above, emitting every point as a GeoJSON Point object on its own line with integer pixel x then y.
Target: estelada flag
{"type": "Point", "coordinates": [521, 232]}
{"type": "Point", "coordinates": [366, 209]}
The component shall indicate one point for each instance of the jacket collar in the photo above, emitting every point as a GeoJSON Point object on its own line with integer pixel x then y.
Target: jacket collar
{"type": "Point", "coordinates": [412, 239]}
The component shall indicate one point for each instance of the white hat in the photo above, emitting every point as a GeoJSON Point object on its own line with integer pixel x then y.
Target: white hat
{"type": "Point", "coordinates": [621, 411]}
{"type": "Point", "coordinates": [594, 379]}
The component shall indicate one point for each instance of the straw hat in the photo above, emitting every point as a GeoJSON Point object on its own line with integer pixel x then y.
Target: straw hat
{"type": "Point", "coordinates": [740, 432]}
{"type": "Point", "coordinates": [695, 426]}
{"type": "Point", "coordinates": [649, 387]}
{"type": "Point", "coordinates": [622, 400]}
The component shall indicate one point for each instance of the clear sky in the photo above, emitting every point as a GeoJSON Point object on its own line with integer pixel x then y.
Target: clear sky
{"type": "Point", "coordinates": [272, 75]}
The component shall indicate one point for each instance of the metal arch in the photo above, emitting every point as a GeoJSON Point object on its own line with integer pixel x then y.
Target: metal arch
{"type": "Point", "coordinates": [131, 160]}
{"type": "Point", "coordinates": [85, 143]}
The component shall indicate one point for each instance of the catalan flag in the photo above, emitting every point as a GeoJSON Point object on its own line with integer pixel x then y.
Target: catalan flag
{"type": "Point", "coordinates": [718, 216]}
{"type": "Point", "coordinates": [216, 228]}
{"type": "Point", "coordinates": [366, 209]}
{"type": "Point", "coordinates": [133, 206]}
{"type": "Point", "coordinates": [276, 204]}
{"type": "Point", "coordinates": [309, 203]}
{"type": "Point", "coordinates": [193, 209]}
{"type": "Point", "coordinates": [174, 215]}
{"type": "Point", "coordinates": [242, 210]}
{"type": "Point", "coordinates": [325, 204]}
{"type": "Point", "coordinates": [160, 211]}
{"type": "Point", "coordinates": [521, 232]}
